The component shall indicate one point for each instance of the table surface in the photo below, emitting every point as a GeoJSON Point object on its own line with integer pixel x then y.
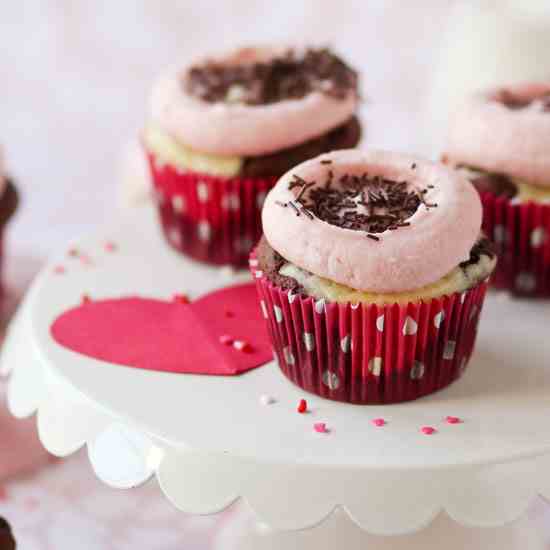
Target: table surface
{"type": "Point", "coordinates": [75, 80]}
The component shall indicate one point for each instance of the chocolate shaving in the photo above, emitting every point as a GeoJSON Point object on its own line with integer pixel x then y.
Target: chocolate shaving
{"type": "Point", "coordinates": [326, 162]}
{"type": "Point", "coordinates": [484, 247]}
{"type": "Point", "coordinates": [289, 76]}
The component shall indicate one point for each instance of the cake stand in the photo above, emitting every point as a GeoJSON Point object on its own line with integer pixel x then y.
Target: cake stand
{"type": "Point", "coordinates": [210, 441]}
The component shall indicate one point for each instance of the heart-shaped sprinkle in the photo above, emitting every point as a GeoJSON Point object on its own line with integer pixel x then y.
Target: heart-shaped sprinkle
{"type": "Point", "coordinates": [226, 340]}
{"type": "Point", "coordinates": [379, 422]}
{"type": "Point", "coordinates": [181, 299]}
{"type": "Point", "coordinates": [428, 430]}
{"type": "Point", "coordinates": [320, 428]}
{"type": "Point", "coordinates": [302, 406]}
{"type": "Point", "coordinates": [243, 346]}
{"type": "Point", "coordinates": [453, 420]}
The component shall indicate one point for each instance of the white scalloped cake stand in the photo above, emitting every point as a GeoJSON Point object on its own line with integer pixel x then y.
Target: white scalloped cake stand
{"type": "Point", "coordinates": [210, 441]}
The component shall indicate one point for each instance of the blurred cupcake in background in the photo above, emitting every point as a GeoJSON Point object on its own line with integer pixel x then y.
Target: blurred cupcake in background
{"type": "Point", "coordinates": [372, 275]}
{"type": "Point", "coordinates": [9, 200]}
{"type": "Point", "coordinates": [500, 139]}
{"type": "Point", "coordinates": [223, 129]}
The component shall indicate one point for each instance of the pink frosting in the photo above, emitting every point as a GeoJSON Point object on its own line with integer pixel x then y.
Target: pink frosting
{"type": "Point", "coordinates": [433, 245]}
{"type": "Point", "coordinates": [486, 134]}
{"type": "Point", "coordinates": [244, 130]}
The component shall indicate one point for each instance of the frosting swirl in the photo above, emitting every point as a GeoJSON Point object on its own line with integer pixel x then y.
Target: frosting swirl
{"type": "Point", "coordinates": [504, 130]}
{"type": "Point", "coordinates": [242, 128]}
{"type": "Point", "coordinates": [429, 235]}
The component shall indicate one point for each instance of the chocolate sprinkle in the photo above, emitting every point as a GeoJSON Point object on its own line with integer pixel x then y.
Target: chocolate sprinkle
{"type": "Point", "coordinates": [515, 102]}
{"type": "Point", "coordinates": [289, 76]}
{"type": "Point", "coordinates": [326, 162]}
{"type": "Point", "coordinates": [362, 203]}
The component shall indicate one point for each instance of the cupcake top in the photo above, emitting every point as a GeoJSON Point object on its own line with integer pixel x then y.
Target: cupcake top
{"type": "Point", "coordinates": [255, 101]}
{"type": "Point", "coordinates": [373, 220]}
{"type": "Point", "coordinates": [505, 130]}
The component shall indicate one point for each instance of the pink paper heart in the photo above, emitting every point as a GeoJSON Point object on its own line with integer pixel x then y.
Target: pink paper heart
{"type": "Point", "coordinates": [170, 336]}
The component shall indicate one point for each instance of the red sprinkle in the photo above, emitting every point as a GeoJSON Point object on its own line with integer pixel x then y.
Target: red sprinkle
{"type": "Point", "coordinates": [379, 422]}
{"type": "Point", "coordinates": [226, 340]}
{"type": "Point", "coordinates": [242, 346]}
{"type": "Point", "coordinates": [110, 246]}
{"type": "Point", "coordinates": [86, 299]}
{"type": "Point", "coordinates": [320, 428]}
{"type": "Point", "coordinates": [302, 406]}
{"type": "Point", "coordinates": [453, 420]}
{"type": "Point", "coordinates": [181, 299]}
{"type": "Point", "coordinates": [428, 430]}
{"type": "Point", "coordinates": [59, 270]}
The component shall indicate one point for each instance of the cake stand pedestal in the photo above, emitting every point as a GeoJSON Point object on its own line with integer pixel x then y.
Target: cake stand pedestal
{"type": "Point", "coordinates": [209, 440]}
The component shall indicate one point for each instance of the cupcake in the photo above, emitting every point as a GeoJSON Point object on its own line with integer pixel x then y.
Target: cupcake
{"type": "Point", "coordinates": [372, 274]}
{"type": "Point", "coordinates": [8, 200]}
{"type": "Point", "coordinates": [500, 139]}
{"type": "Point", "coordinates": [222, 131]}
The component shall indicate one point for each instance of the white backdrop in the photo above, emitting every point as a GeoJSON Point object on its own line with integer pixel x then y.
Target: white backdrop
{"type": "Point", "coordinates": [74, 81]}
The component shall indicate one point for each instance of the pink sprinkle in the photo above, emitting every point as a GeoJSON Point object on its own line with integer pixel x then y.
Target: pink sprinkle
{"type": "Point", "coordinates": [379, 422]}
{"type": "Point", "coordinates": [59, 270]}
{"type": "Point", "coordinates": [320, 428]}
{"type": "Point", "coordinates": [453, 420]}
{"type": "Point", "coordinates": [242, 346]}
{"type": "Point", "coordinates": [85, 259]}
{"type": "Point", "coordinates": [226, 340]}
{"type": "Point", "coordinates": [110, 246]}
{"type": "Point", "coordinates": [428, 430]}
{"type": "Point", "coordinates": [181, 299]}
{"type": "Point", "coordinates": [86, 299]}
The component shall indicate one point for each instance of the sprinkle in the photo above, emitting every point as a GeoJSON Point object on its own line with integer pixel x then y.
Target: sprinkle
{"type": "Point", "coordinates": [320, 428]}
{"type": "Point", "coordinates": [181, 299]}
{"type": "Point", "coordinates": [59, 270]}
{"type": "Point", "coordinates": [283, 204]}
{"type": "Point", "coordinates": [267, 400]}
{"type": "Point", "coordinates": [428, 430]}
{"type": "Point", "coordinates": [243, 346]}
{"type": "Point", "coordinates": [413, 166]}
{"type": "Point", "coordinates": [229, 314]}
{"type": "Point", "coordinates": [373, 237]}
{"type": "Point", "coordinates": [302, 406]}
{"type": "Point", "coordinates": [295, 208]}
{"type": "Point", "coordinates": [326, 161]}
{"type": "Point", "coordinates": [110, 246]}
{"type": "Point", "coordinates": [73, 253]}
{"type": "Point", "coordinates": [226, 340]}
{"type": "Point", "coordinates": [379, 422]}
{"type": "Point", "coordinates": [86, 299]}
{"type": "Point", "coordinates": [307, 212]}
{"type": "Point", "coordinates": [85, 259]}
{"type": "Point", "coordinates": [453, 420]}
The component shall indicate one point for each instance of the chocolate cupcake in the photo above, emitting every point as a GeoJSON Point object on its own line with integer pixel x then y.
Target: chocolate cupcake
{"type": "Point", "coordinates": [500, 140]}
{"type": "Point", "coordinates": [372, 274]}
{"type": "Point", "coordinates": [223, 129]}
{"type": "Point", "coordinates": [9, 201]}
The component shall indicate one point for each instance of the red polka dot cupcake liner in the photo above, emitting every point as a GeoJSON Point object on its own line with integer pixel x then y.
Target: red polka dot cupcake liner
{"type": "Point", "coordinates": [370, 354]}
{"type": "Point", "coordinates": [211, 219]}
{"type": "Point", "coordinates": [521, 234]}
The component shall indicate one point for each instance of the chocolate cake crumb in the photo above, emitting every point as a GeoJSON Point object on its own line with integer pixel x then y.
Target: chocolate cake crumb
{"type": "Point", "coordinates": [291, 75]}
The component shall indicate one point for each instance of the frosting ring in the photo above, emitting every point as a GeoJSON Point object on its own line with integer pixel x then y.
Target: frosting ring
{"type": "Point", "coordinates": [485, 133]}
{"type": "Point", "coordinates": [245, 130]}
{"type": "Point", "coordinates": [435, 243]}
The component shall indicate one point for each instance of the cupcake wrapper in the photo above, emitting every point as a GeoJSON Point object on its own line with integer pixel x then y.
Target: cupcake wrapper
{"type": "Point", "coordinates": [212, 219]}
{"type": "Point", "coordinates": [369, 354]}
{"type": "Point", "coordinates": [521, 235]}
